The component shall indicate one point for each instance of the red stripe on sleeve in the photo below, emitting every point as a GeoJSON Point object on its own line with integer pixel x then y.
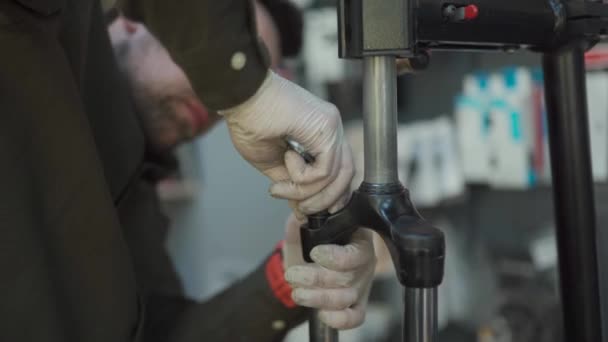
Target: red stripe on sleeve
{"type": "Point", "coordinates": [276, 279]}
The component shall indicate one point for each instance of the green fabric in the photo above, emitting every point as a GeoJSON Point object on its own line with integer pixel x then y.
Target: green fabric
{"type": "Point", "coordinates": [66, 272]}
{"type": "Point", "coordinates": [107, 4]}
{"type": "Point", "coordinates": [74, 211]}
{"type": "Point", "coordinates": [202, 37]}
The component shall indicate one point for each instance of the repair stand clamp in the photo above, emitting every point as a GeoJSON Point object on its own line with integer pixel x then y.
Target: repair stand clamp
{"type": "Point", "coordinates": [378, 31]}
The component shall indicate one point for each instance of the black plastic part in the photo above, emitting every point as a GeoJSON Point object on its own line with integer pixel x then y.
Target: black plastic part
{"type": "Point", "coordinates": [312, 228]}
{"type": "Point", "coordinates": [417, 248]}
{"type": "Point", "coordinates": [573, 192]}
{"type": "Point", "coordinates": [500, 24]}
{"type": "Point", "coordinates": [317, 221]}
{"type": "Point", "coordinates": [405, 27]}
{"type": "Point", "coordinates": [587, 22]}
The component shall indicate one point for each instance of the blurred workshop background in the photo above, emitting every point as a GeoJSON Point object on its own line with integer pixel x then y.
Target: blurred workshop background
{"type": "Point", "coordinates": [473, 151]}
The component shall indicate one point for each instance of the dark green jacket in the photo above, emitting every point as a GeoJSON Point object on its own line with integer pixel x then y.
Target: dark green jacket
{"type": "Point", "coordinates": [203, 38]}
{"type": "Point", "coordinates": [73, 203]}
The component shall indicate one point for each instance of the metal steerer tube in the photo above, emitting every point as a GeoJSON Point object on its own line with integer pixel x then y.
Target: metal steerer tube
{"type": "Point", "coordinates": [380, 134]}
{"type": "Point", "coordinates": [420, 318]}
{"type": "Point", "coordinates": [319, 331]}
{"type": "Point", "coordinates": [380, 119]}
{"type": "Point", "coordinates": [573, 192]}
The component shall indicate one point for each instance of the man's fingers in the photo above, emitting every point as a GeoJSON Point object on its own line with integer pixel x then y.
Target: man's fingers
{"type": "Point", "coordinates": [298, 214]}
{"type": "Point", "coordinates": [331, 195]}
{"type": "Point", "coordinates": [344, 319]}
{"type": "Point", "coordinates": [348, 318]}
{"type": "Point", "coordinates": [326, 299]}
{"type": "Point", "coordinates": [292, 229]}
{"type": "Point", "coordinates": [292, 250]}
{"type": "Point", "coordinates": [324, 144]}
{"type": "Point", "coordinates": [319, 171]}
{"type": "Point", "coordinates": [277, 173]}
{"type": "Point", "coordinates": [342, 202]}
{"type": "Point", "coordinates": [358, 252]}
{"type": "Point", "coordinates": [294, 164]}
{"type": "Point", "coordinates": [294, 190]}
{"type": "Point", "coordinates": [315, 276]}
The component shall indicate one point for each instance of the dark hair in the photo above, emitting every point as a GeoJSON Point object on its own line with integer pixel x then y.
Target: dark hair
{"type": "Point", "coordinates": [288, 19]}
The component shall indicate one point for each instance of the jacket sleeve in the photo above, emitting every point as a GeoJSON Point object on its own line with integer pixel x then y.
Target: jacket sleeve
{"type": "Point", "coordinates": [254, 309]}
{"type": "Point", "coordinates": [215, 43]}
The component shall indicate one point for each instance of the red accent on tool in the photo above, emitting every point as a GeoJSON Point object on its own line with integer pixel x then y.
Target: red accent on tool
{"type": "Point", "coordinates": [471, 12]}
{"type": "Point", "coordinates": [275, 275]}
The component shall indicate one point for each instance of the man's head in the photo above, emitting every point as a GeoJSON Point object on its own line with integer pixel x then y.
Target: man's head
{"type": "Point", "coordinates": [170, 110]}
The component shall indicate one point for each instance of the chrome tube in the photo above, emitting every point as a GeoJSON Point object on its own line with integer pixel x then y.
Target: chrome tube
{"type": "Point", "coordinates": [380, 119]}
{"type": "Point", "coordinates": [420, 315]}
{"type": "Point", "coordinates": [319, 332]}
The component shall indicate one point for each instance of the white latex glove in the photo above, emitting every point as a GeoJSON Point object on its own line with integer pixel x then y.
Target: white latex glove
{"type": "Point", "coordinates": [338, 283]}
{"type": "Point", "coordinates": [281, 109]}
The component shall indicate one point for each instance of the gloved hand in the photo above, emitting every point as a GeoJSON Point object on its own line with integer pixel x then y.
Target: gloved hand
{"type": "Point", "coordinates": [282, 109]}
{"type": "Point", "coordinates": [338, 283]}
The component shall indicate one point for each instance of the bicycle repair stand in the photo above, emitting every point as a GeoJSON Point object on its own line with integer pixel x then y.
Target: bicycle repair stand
{"type": "Point", "coordinates": [378, 31]}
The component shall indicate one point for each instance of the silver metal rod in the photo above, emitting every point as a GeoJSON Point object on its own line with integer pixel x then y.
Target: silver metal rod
{"type": "Point", "coordinates": [319, 332]}
{"type": "Point", "coordinates": [420, 315]}
{"type": "Point", "coordinates": [380, 119]}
